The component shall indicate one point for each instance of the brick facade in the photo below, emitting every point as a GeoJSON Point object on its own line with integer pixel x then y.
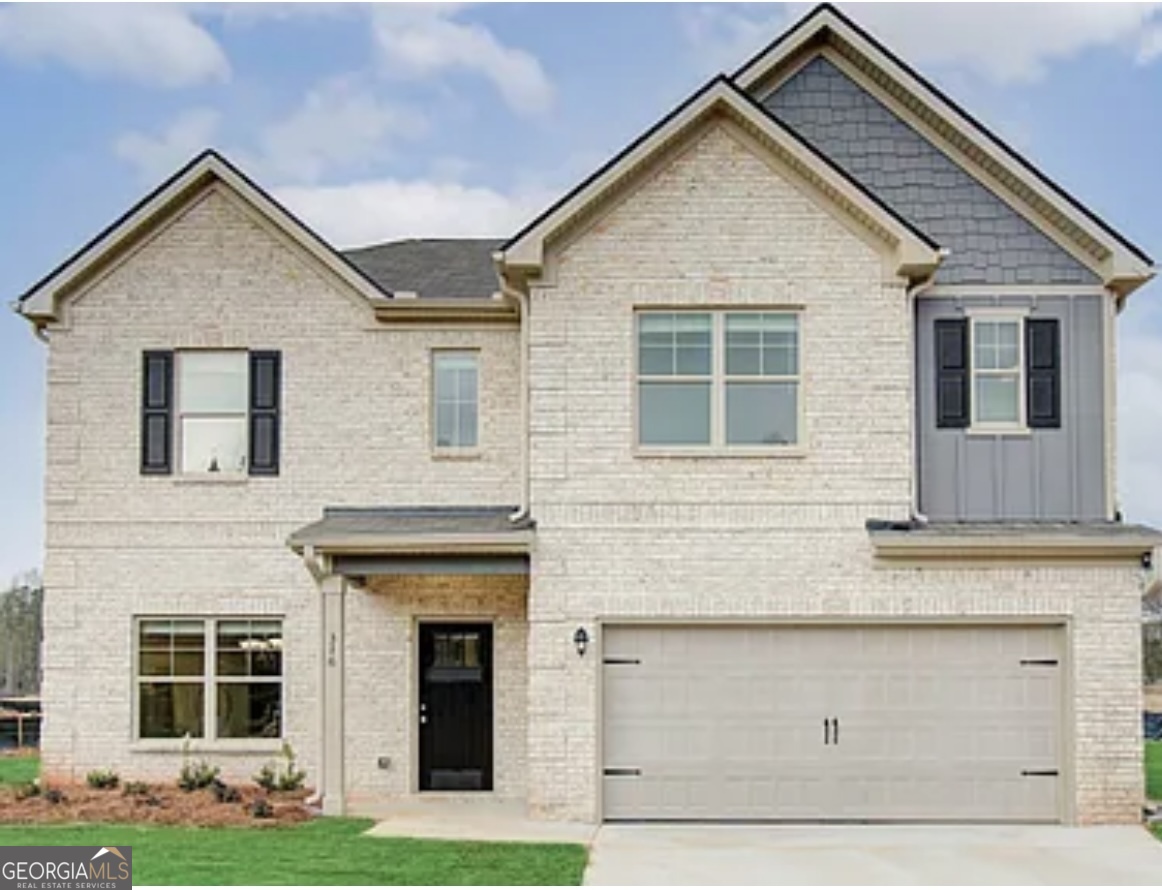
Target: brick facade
{"type": "Point", "coordinates": [619, 534]}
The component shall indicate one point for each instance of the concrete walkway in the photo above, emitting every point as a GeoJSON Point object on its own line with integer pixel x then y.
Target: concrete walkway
{"type": "Point", "coordinates": [471, 820]}
{"type": "Point", "coordinates": [908, 855]}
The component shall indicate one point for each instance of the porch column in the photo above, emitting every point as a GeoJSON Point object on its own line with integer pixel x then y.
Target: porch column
{"type": "Point", "coordinates": [333, 589]}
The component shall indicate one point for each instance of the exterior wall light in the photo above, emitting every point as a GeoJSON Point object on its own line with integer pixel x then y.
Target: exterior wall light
{"type": "Point", "coordinates": [581, 641]}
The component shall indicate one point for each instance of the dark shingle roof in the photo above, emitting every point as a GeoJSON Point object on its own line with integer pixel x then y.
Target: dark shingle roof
{"type": "Point", "coordinates": [355, 523]}
{"type": "Point", "coordinates": [440, 268]}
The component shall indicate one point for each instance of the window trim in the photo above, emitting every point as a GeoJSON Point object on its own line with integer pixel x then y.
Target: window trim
{"type": "Point", "coordinates": [453, 452]}
{"type": "Point", "coordinates": [993, 315]}
{"type": "Point", "coordinates": [718, 379]}
{"type": "Point", "coordinates": [209, 680]}
{"type": "Point", "coordinates": [180, 415]}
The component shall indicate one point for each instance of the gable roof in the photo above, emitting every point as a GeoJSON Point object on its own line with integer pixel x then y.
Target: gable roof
{"type": "Point", "coordinates": [1122, 265]}
{"type": "Point", "coordinates": [42, 301]}
{"type": "Point", "coordinates": [431, 268]}
{"type": "Point", "coordinates": [917, 254]}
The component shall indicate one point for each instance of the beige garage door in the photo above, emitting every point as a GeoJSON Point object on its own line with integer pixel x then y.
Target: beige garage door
{"type": "Point", "coordinates": [872, 722]}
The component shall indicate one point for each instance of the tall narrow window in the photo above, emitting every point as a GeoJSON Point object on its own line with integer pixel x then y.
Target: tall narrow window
{"type": "Point", "coordinates": [171, 671]}
{"type": "Point", "coordinates": [997, 362]}
{"type": "Point", "coordinates": [212, 411]}
{"type": "Point", "coordinates": [456, 400]}
{"type": "Point", "coordinates": [675, 377]}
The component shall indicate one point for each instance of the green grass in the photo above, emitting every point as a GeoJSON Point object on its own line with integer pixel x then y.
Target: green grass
{"type": "Point", "coordinates": [1154, 770]}
{"type": "Point", "coordinates": [321, 852]}
{"type": "Point", "coordinates": [18, 770]}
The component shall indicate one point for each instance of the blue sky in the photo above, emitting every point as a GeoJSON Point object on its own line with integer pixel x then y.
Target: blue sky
{"type": "Point", "coordinates": [389, 121]}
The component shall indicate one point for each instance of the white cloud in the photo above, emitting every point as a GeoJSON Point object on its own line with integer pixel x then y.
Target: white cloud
{"type": "Point", "coordinates": [340, 124]}
{"type": "Point", "coordinates": [1140, 412]}
{"type": "Point", "coordinates": [423, 41]}
{"type": "Point", "coordinates": [383, 209]}
{"type": "Point", "coordinates": [1004, 42]}
{"type": "Point", "coordinates": [157, 156]}
{"type": "Point", "coordinates": [154, 45]}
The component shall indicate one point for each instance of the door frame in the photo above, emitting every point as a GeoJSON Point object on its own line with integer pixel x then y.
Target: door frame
{"type": "Point", "coordinates": [414, 698]}
{"type": "Point", "coordinates": [1066, 778]}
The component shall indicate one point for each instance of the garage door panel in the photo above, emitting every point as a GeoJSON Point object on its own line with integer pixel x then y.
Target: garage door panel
{"type": "Point", "coordinates": [935, 723]}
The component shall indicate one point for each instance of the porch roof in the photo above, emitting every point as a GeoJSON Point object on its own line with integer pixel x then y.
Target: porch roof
{"type": "Point", "coordinates": [991, 539]}
{"type": "Point", "coordinates": [416, 530]}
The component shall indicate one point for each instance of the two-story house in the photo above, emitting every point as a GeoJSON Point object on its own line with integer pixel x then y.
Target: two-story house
{"type": "Point", "coordinates": [769, 474]}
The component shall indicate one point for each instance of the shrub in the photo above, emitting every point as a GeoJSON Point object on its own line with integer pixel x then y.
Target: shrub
{"type": "Point", "coordinates": [284, 777]}
{"type": "Point", "coordinates": [224, 793]}
{"type": "Point", "coordinates": [261, 809]}
{"type": "Point", "coordinates": [102, 779]}
{"type": "Point", "coordinates": [135, 789]}
{"type": "Point", "coordinates": [55, 796]}
{"type": "Point", "coordinates": [195, 775]}
{"type": "Point", "coordinates": [30, 789]}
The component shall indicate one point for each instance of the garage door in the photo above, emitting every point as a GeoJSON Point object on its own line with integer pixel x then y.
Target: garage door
{"type": "Point", "coordinates": [875, 722]}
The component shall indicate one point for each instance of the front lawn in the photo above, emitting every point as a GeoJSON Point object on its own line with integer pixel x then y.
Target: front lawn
{"type": "Point", "coordinates": [1154, 770]}
{"type": "Point", "coordinates": [18, 770]}
{"type": "Point", "coordinates": [321, 852]}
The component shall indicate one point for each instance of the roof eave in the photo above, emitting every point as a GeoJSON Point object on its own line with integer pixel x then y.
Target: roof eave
{"type": "Point", "coordinates": [518, 541]}
{"type": "Point", "coordinates": [892, 544]}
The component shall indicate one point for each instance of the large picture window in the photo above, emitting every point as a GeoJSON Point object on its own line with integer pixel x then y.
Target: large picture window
{"type": "Point", "coordinates": [727, 379]}
{"type": "Point", "coordinates": [209, 678]}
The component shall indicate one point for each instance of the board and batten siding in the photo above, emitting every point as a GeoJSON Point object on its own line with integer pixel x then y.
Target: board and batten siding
{"type": "Point", "coordinates": [990, 243]}
{"type": "Point", "coordinates": [1043, 474]}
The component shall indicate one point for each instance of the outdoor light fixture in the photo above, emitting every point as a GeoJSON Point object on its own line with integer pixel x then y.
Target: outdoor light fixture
{"type": "Point", "coordinates": [581, 641]}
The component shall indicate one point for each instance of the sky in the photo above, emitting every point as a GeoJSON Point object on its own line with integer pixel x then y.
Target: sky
{"type": "Point", "coordinates": [387, 121]}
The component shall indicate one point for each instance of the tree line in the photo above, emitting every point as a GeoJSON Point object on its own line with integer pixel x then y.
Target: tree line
{"type": "Point", "coordinates": [21, 633]}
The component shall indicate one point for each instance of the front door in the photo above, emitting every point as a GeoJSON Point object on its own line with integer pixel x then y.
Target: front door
{"type": "Point", "coordinates": [455, 707]}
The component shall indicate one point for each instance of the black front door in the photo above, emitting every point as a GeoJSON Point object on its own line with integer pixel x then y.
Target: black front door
{"type": "Point", "coordinates": [455, 707]}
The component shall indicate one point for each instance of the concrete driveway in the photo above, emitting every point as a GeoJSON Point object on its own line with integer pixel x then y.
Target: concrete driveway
{"type": "Point", "coordinates": [730, 854]}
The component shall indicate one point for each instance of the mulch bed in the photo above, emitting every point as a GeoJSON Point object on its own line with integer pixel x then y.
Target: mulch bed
{"type": "Point", "coordinates": [160, 805]}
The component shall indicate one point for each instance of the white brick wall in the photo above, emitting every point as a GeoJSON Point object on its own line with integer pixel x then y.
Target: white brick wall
{"type": "Point", "coordinates": [355, 432]}
{"type": "Point", "coordinates": [621, 535]}
{"type": "Point", "coordinates": [618, 535]}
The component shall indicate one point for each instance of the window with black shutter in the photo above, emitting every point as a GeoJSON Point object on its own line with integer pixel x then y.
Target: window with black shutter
{"type": "Point", "coordinates": [211, 411]}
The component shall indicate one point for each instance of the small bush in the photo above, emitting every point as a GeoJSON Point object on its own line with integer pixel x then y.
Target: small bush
{"type": "Point", "coordinates": [54, 796]}
{"type": "Point", "coordinates": [102, 779]}
{"type": "Point", "coordinates": [30, 789]}
{"type": "Point", "coordinates": [154, 801]}
{"type": "Point", "coordinates": [135, 789]}
{"type": "Point", "coordinates": [261, 809]}
{"type": "Point", "coordinates": [195, 775]}
{"type": "Point", "coordinates": [224, 793]}
{"type": "Point", "coordinates": [284, 777]}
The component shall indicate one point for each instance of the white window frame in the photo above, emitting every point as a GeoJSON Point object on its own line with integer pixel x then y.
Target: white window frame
{"type": "Point", "coordinates": [180, 415]}
{"type": "Point", "coordinates": [209, 680]}
{"type": "Point", "coordinates": [1012, 316]}
{"type": "Point", "coordinates": [718, 380]}
{"type": "Point", "coordinates": [453, 451]}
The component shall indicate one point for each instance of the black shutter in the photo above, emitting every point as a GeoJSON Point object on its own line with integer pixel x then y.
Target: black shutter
{"type": "Point", "coordinates": [157, 413]}
{"type": "Point", "coordinates": [265, 392]}
{"type": "Point", "coordinates": [952, 389]}
{"type": "Point", "coordinates": [1043, 373]}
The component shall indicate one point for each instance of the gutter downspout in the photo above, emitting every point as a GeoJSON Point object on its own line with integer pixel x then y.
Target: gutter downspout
{"type": "Point", "coordinates": [523, 507]}
{"type": "Point", "coordinates": [911, 293]}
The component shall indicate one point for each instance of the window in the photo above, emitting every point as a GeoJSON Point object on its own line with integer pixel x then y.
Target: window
{"type": "Point", "coordinates": [194, 673]}
{"type": "Point", "coordinates": [455, 400]}
{"type": "Point", "coordinates": [997, 363]}
{"type": "Point", "coordinates": [212, 415]}
{"type": "Point", "coordinates": [718, 378]}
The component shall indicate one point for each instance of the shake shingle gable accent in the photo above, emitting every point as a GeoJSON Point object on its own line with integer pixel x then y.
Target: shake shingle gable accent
{"type": "Point", "coordinates": [825, 30]}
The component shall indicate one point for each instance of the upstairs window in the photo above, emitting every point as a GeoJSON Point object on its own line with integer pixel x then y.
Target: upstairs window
{"type": "Point", "coordinates": [211, 412]}
{"type": "Point", "coordinates": [997, 372]}
{"type": "Point", "coordinates": [211, 396]}
{"type": "Point", "coordinates": [455, 401]}
{"type": "Point", "coordinates": [718, 379]}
